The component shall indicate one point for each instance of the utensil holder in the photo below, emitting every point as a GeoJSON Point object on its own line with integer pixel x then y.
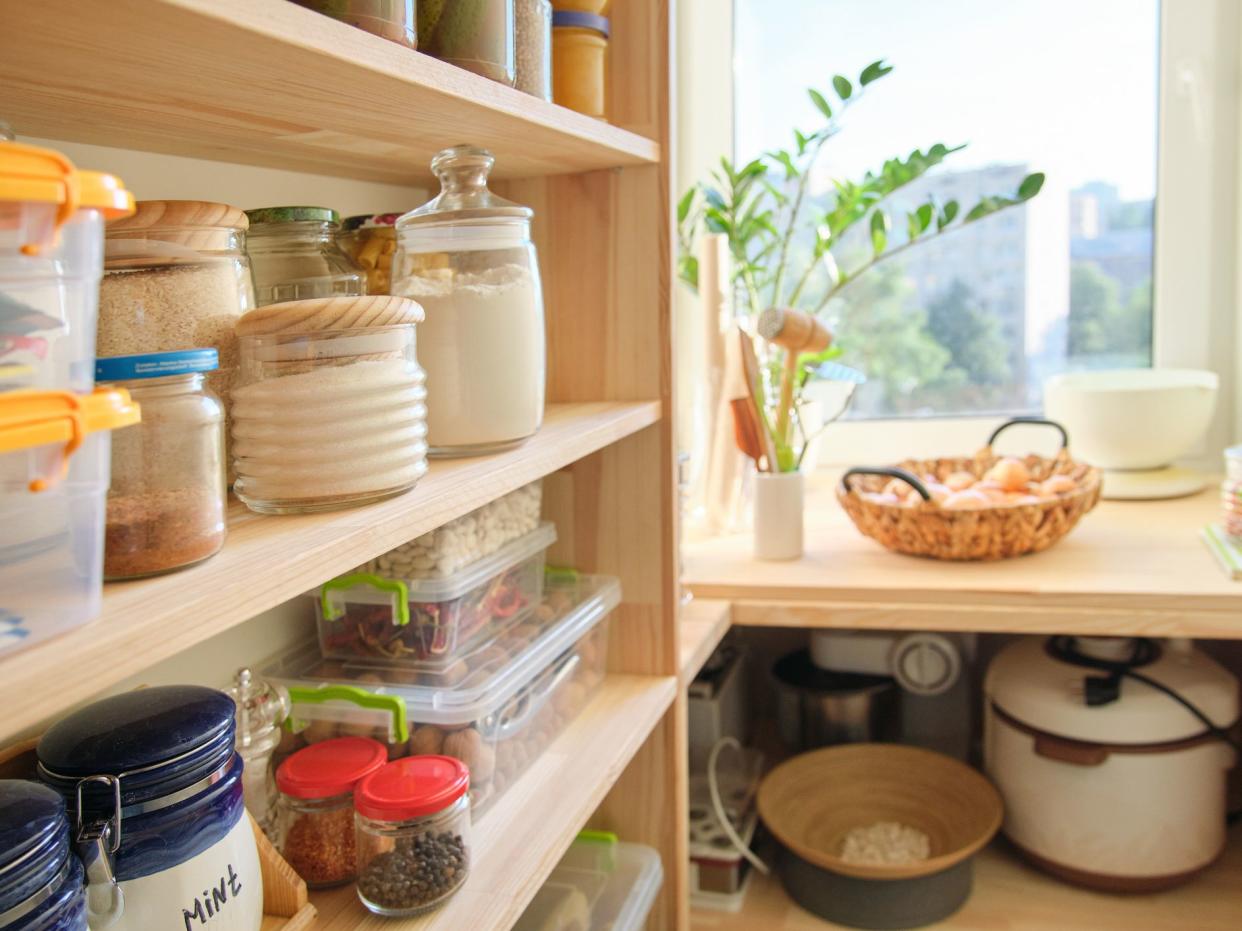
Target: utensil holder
{"type": "Point", "coordinates": [778, 515]}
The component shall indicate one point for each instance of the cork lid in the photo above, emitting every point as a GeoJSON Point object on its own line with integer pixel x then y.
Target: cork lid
{"type": "Point", "coordinates": [330, 313]}
{"type": "Point", "coordinates": [198, 225]}
{"type": "Point", "coordinates": [181, 214]}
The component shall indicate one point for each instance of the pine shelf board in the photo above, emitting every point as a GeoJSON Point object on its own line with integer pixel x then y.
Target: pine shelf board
{"type": "Point", "coordinates": [266, 82]}
{"type": "Point", "coordinates": [1011, 896]}
{"type": "Point", "coordinates": [267, 560]}
{"type": "Point", "coordinates": [1129, 568]}
{"type": "Point", "coordinates": [703, 624]}
{"type": "Point", "coordinates": [521, 838]}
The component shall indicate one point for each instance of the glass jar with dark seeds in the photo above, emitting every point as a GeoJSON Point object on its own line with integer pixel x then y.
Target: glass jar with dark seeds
{"type": "Point", "coordinates": [413, 834]}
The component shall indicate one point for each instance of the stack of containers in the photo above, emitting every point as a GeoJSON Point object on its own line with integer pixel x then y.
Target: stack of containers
{"type": "Point", "coordinates": [54, 430]}
{"type": "Point", "coordinates": [494, 705]}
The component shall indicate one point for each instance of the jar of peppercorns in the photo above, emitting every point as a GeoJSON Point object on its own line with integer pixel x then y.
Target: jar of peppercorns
{"type": "Point", "coordinates": [316, 815]}
{"type": "Point", "coordinates": [413, 820]}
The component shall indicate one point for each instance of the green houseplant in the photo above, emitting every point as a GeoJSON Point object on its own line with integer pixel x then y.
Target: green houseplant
{"type": "Point", "coordinates": [787, 252]}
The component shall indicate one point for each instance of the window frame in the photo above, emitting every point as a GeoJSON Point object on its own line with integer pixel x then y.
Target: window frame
{"type": "Point", "coordinates": [1196, 279]}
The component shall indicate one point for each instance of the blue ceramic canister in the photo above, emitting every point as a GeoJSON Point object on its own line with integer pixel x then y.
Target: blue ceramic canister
{"type": "Point", "coordinates": [40, 879]}
{"type": "Point", "coordinates": [154, 793]}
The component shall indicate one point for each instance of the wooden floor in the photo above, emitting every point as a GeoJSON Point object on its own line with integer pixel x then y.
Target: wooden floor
{"type": "Point", "coordinates": [1010, 896]}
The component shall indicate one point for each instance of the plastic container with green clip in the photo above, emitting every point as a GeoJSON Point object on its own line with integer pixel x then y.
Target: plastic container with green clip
{"type": "Point", "coordinates": [431, 623]}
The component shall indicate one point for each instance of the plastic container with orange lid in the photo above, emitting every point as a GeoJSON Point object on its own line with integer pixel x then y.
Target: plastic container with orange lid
{"type": "Point", "coordinates": [51, 259]}
{"type": "Point", "coordinates": [54, 471]}
{"type": "Point", "coordinates": [580, 60]}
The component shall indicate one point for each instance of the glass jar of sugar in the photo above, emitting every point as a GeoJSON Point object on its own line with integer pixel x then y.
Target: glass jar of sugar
{"type": "Point", "coordinates": [329, 409]}
{"type": "Point", "coordinates": [467, 257]}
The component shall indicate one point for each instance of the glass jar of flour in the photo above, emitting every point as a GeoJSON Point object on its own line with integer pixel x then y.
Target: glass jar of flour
{"type": "Point", "coordinates": [468, 259]}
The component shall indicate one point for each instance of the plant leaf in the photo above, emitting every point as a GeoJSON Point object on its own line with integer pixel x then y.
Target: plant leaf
{"type": "Point", "coordinates": [683, 205]}
{"type": "Point", "coordinates": [879, 231]}
{"type": "Point", "coordinates": [820, 103]}
{"type": "Point", "coordinates": [947, 214]}
{"type": "Point", "coordinates": [841, 84]}
{"type": "Point", "coordinates": [873, 72]}
{"type": "Point", "coordinates": [1031, 185]}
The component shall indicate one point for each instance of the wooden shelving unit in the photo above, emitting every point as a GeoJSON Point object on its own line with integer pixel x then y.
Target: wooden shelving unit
{"type": "Point", "coordinates": [1129, 568]}
{"type": "Point", "coordinates": [1011, 896]}
{"type": "Point", "coordinates": [703, 625]}
{"type": "Point", "coordinates": [536, 819]}
{"type": "Point", "coordinates": [270, 559]}
{"type": "Point", "coordinates": [268, 83]}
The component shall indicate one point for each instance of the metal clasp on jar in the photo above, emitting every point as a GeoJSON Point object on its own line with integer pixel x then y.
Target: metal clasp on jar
{"type": "Point", "coordinates": [97, 843]}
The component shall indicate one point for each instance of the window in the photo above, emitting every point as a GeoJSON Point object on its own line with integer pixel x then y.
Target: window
{"type": "Point", "coordinates": [976, 320]}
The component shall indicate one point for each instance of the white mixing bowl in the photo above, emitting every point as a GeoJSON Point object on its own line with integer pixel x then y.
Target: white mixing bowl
{"type": "Point", "coordinates": [1132, 418]}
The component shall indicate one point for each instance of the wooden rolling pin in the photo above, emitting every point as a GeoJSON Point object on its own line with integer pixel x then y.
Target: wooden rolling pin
{"type": "Point", "coordinates": [796, 332]}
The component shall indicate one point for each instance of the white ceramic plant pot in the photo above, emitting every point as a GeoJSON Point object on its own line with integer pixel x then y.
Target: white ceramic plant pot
{"type": "Point", "coordinates": [778, 515]}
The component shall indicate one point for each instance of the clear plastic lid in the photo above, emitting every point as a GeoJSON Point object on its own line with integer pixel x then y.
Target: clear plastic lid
{"type": "Point", "coordinates": [495, 672]}
{"type": "Point", "coordinates": [601, 884]}
{"type": "Point", "coordinates": [370, 589]}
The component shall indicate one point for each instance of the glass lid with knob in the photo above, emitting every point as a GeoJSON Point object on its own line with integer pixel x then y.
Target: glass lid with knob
{"type": "Point", "coordinates": [464, 201]}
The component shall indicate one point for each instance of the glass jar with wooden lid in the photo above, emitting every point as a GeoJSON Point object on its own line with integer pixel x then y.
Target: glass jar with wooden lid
{"type": "Point", "coordinates": [329, 409]}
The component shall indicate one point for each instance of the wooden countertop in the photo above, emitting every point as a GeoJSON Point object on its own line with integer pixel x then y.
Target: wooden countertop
{"type": "Point", "coordinates": [1128, 567]}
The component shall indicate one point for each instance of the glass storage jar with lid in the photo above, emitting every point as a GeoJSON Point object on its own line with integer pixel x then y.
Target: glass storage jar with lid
{"type": "Point", "coordinates": [477, 35]}
{"type": "Point", "coordinates": [295, 257]}
{"type": "Point", "coordinates": [370, 239]}
{"type": "Point", "coordinates": [390, 19]}
{"type": "Point", "coordinates": [533, 38]}
{"type": "Point", "coordinates": [413, 834]}
{"type": "Point", "coordinates": [316, 808]}
{"type": "Point", "coordinates": [166, 501]}
{"type": "Point", "coordinates": [467, 257]}
{"type": "Point", "coordinates": [330, 408]}
{"type": "Point", "coordinates": [41, 881]}
{"type": "Point", "coordinates": [154, 786]}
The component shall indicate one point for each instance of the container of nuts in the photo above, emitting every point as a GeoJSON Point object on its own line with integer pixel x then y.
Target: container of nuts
{"type": "Point", "coordinates": [316, 808]}
{"type": "Point", "coordinates": [495, 708]}
{"type": "Point", "coordinates": [413, 834]}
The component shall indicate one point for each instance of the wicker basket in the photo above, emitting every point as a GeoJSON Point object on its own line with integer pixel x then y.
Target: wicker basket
{"type": "Point", "coordinates": [926, 529]}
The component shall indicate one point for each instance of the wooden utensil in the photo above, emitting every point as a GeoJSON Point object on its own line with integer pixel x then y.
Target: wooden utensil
{"type": "Point", "coordinates": [796, 332]}
{"type": "Point", "coordinates": [754, 387]}
{"type": "Point", "coordinates": [745, 430]}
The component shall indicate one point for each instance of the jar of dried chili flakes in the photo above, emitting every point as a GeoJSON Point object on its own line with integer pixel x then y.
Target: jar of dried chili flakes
{"type": "Point", "coordinates": [316, 817]}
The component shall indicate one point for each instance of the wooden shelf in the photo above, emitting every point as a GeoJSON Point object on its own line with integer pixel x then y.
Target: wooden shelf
{"type": "Point", "coordinates": [268, 560]}
{"type": "Point", "coordinates": [702, 626]}
{"type": "Point", "coordinates": [1129, 568]}
{"type": "Point", "coordinates": [1011, 896]}
{"type": "Point", "coordinates": [266, 82]}
{"type": "Point", "coordinates": [520, 840]}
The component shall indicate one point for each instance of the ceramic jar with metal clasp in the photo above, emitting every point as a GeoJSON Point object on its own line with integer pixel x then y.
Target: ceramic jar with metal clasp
{"type": "Point", "coordinates": [153, 787]}
{"type": "Point", "coordinates": [40, 878]}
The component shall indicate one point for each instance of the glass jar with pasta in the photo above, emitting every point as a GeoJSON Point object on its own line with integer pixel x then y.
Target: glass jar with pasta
{"type": "Point", "coordinates": [371, 240]}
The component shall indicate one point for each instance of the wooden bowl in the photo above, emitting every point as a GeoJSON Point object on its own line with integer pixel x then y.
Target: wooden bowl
{"type": "Point", "coordinates": [812, 801]}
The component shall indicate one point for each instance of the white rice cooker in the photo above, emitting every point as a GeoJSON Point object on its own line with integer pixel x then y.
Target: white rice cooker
{"type": "Point", "coordinates": [1110, 781]}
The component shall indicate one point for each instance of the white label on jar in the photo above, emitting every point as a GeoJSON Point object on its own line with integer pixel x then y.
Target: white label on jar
{"type": "Point", "coordinates": [220, 889]}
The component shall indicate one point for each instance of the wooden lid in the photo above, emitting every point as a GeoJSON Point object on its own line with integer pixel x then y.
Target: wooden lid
{"type": "Point", "coordinates": [191, 214]}
{"type": "Point", "coordinates": [330, 313]}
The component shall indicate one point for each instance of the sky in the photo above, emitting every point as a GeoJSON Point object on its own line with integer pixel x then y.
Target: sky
{"type": "Point", "coordinates": [1068, 87]}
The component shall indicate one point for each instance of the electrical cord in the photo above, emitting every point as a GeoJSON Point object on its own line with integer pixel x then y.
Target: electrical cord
{"type": "Point", "coordinates": [1103, 690]}
{"type": "Point", "coordinates": [713, 789]}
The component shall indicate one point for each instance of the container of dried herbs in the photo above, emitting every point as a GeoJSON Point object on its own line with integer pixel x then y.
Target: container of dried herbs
{"type": "Point", "coordinates": [413, 834]}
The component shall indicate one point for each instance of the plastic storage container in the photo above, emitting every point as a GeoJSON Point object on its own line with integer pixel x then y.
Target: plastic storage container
{"type": "Point", "coordinates": [166, 501]}
{"type": "Point", "coordinates": [329, 410]}
{"type": "Point", "coordinates": [316, 808]}
{"type": "Point", "coordinates": [152, 781]}
{"type": "Point", "coordinates": [295, 257]}
{"type": "Point", "coordinates": [51, 259]}
{"type": "Point", "coordinates": [176, 277]}
{"type": "Point", "coordinates": [467, 257]}
{"type": "Point", "coordinates": [41, 881]}
{"type": "Point", "coordinates": [455, 545]}
{"type": "Point", "coordinates": [601, 884]}
{"type": "Point", "coordinates": [473, 34]}
{"type": "Point", "coordinates": [54, 463]}
{"type": "Point", "coordinates": [370, 239]}
{"type": "Point", "coordinates": [495, 710]}
{"type": "Point", "coordinates": [431, 623]}
{"type": "Point", "coordinates": [413, 834]}
{"type": "Point", "coordinates": [1231, 493]}
{"type": "Point", "coordinates": [580, 62]}
{"type": "Point", "coordinates": [533, 32]}
{"type": "Point", "coordinates": [393, 20]}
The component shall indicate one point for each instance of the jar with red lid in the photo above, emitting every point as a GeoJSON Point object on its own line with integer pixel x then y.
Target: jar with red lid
{"type": "Point", "coordinates": [413, 827]}
{"type": "Point", "coordinates": [316, 817]}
